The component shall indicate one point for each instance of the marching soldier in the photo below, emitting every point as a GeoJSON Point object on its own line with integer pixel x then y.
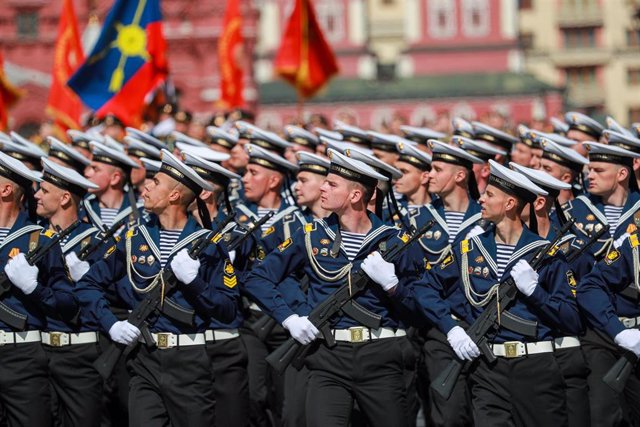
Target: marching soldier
{"type": "Point", "coordinates": [35, 291]}
{"type": "Point", "coordinates": [564, 164]}
{"type": "Point", "coordinates": [172, 380]}
{"type": "Point", "coordinates": [484, 152]}
{"type": "Point", "coordinates": [137, 150]}
{"type": "Point", "coordinates": [582, 128]}
{"type": "Point", "coordinates": [65, 155]}
{"type": "Point", "coordinates": [501, 392]}
{"type": "Point", "coordinates": [71, 348]}
{"type": "Point", "coordinates": [29, 154]}
{"type": "Point", "coordinates": [366, 365]}
{"type": "Point", "coordinates": [301, 140]}
{"type": "Point", "coordinates": [495, 138]}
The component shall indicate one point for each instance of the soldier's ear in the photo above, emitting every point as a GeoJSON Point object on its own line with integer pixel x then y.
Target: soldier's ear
{"type": "Point", "coordinates": [65, 199]}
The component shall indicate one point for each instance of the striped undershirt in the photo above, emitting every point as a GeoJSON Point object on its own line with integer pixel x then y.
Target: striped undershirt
{"type": "Point", "coordinates": [4, 232]}
{"type": "Point", "coordinates": [108, 215]}
{"type": "Point", "coordinates": [352, 243]}
{"type": "Point", "coordinates": [168, 239]}
{"type": "Point", "coordinates": [613, 217]}
{"type": "Point", "coordinates": [262, 212]}
{"type": "Point", "coordinates": [503, 254]}
{"type": "Point", "coordinates": [454, 220]}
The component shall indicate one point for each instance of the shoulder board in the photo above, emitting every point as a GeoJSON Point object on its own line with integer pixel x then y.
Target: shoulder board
{"type": "Point", "coordinates": [634, 241]}
{"type": "Point", "coordinates": [48, 233]}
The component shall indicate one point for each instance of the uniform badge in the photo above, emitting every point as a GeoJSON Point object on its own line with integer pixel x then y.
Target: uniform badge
{"type": "Point", "coordinates": [109, 251]}
{"type": "Point", "coordinates": [230, 280]}
{"type": "Point", "coordinates": [590, 217]}
{"type": "Point", "coordinates": [134, 258]}
{"type": "Point", "coordinates": [14, 252]}
{"type": "Point", "coordinates": [636, 219]}
{"type": "Point", "coordinates": [142, 260]}
{"type": "Point", "coordinates": [382, 247]}
{"type": "Point", "coordinates": [427, 265]}
{"type": "Point", "coordinates": [428, 234]}
{"type": "Point", "coordinates": [588, 228]}
{"type": "Point", "coordinates": [268, 231]}
{"type": "Point", "coordinates": [243, 218]}
{"type": "Point", "coordinates": [151, 260]}
{"type": "Point", "coordinates": [446, 262]}
{"type": "Point", "coordinates": [284, 245]}
{"type": "Point", "coordinates": [477, 271]}
{"type": "Point", "coordinates": [143, 248]}
{"type": "Point", "coordinates": [315, 251]}
{"type": "Point", "coordinates": [85, 242]}
{"type": "Point", "coordinates": [227, 237]}
{"type": "Point", "coordinates": [612, 257]}
{"type": "Point", "coordinates": [485, 272]}
{"type": "Point", "coordinates": [405, 237]}
{"type": "Point", "coordinates": [571, 280]}
{"type": "Point", "coordinates": [325, 241]}
{"type": "Point", "coordinates": [261, 253]}
{"type": "Point", "coordinates": [324, 251]}
{"type": "Point", "coordinates": [437, 234]}
{"type": "Point", "coordinates": [598, 227]}
{"type": "Point", "coordinates": [479, 259]}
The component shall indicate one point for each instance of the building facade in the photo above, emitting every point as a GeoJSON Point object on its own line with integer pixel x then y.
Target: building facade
{"type": "Point", "coordinates": [590, 46]}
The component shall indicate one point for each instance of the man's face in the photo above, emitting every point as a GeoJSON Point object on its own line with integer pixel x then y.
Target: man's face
{"type": "Point", "coordinates": [239, 157]}
{"type": "Point", "coordinates": [412, 178]}
{"type": "Point", "coordinates": [48, 199]}
{"type": "Point", "coordinates": [555, 170]}
{"type": "Point", "coordinates": [521, 154]}
{"type": "Point", "coordinates": [580, 137]}
{"type": "Point", "coordinates": [536, 157]}
{"type": "Point", "coordinates": [307, 188]}
{"type": "Point", "coordinates": [335, 193]}
{"type": "Point", "coordinates": [442, 177]}
{"type": "Point", "coordinates": [603, 177]}
{"type": "Point", "coordinates": [257, 180]}
{"type": "Point", "coordinates": [290, 152]}
{"type": "Point", "coordinates": [156, 192]}
{"type": "Point", "coordinates": [100, 174]}
{"type": "Point", "coordinates": [493, 203]}
{"type": "Point", "coordinates": [385, 156]}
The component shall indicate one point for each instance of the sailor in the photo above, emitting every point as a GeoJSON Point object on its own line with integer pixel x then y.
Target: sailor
{"type": "Point", "coordinates": [34, 291]}
{"type": "Point", "coordinates": [582, 128]}
{"type": "Point", "coordinates": [172, 381]}
{"type": "Point", "coordinates": [484, 152]}
{"type": "Point", "coordinates": [65, 155]}
{"type": "Point", "coordinates": [495, 138]}
{"type": "Point", "coordinates": [366, 365]}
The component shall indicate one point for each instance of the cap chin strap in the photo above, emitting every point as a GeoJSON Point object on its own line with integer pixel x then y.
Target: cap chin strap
{"type": "Point", "coordinates": [379, 200]}
{"type": "Point", "coordinates": [205, 217]}
{"type": "Point", "coordinates": [533, 221]}
{"type": "Point", "coordinates": [31, 203]}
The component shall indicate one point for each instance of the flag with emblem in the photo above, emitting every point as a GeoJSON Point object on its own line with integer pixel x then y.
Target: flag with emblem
{"type": "Point", "coordinates": [127, 62]}
{"type": "Point", "coordinates": [9, 95]}
{"type": "Point", "coordinates": [230, 57]}
{"type": "Point", "coordinates": [304, 57]}
{"type": "Point", "coordinates": [64, 106]}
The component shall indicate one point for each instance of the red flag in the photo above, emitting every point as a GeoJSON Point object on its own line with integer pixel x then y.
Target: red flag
{"type": "Point", "coordinates": [63, 105]}
{"type": "Point", "coordinates": [9, 95]}
{"type": "Point", "coordinates": [230, 55]}
{"type": "Point", "coordinates": [304, 58]}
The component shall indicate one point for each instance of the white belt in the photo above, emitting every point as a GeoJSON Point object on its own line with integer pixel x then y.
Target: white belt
{"type": "Point", "coordinates": [566, 342]}
{"type": "Point", "coordinates": [166, 340]}
{"type": "Point", "coordinates": [19, 337]}
{"type": "Point", "coordinates": [61, 339]}
{"type": "Point", "coordinates": [361, 334]}
{"type": "Point", "coordinates": [220, 334]}
{"type": "Point", "coordinates": [630, 322]}
{"type": "Point", "coordinates": [513, 349]}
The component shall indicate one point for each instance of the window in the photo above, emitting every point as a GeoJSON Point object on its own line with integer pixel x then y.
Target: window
{"type": "Point", "coordinates": [633, 76]}
{"type": "Point", "coordinates": [579, 38]}
{"type": "Point", "coordinates": [633, 38]}
{"type": "Point", "coordinates": [634, 114]}
{"type": "Point", "coordinates": [525, 4]}
{"type": "Point", "coordinates": [441, 18]}
{"type": "Point", "coordinates": [331, 18]}
{"type": "Point", "coordinates": [581, 76]}
{"type": "Point", "coordinates": [475, 18]}
{"type": "Point", "coordinates": [27, 24]}
{"type": "Point", "coordinates": [526, 41]}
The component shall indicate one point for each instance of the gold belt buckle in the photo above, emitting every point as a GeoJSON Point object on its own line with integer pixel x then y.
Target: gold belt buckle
{"type": "Point", "coordinates": [55, 339]}
{"type": "Point", "coordinates": [163, 340]}
{"type": "Point", "coordinates": [357, 334]}
{"type": "Point", "coordinates": [511, 349]}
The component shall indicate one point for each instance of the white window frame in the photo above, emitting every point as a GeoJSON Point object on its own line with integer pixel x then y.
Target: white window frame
{"type": "Point", "coordinates": [334, 8]}
{"type": "Point", "coordinates": [483, 8]}
{"type": "Point", "coordinates": [433, 9]}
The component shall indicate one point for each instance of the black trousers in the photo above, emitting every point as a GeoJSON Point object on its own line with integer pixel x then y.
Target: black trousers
{"type": "Point", "coordinates": [231, 386]}
{"type": "Point", "coordinates": [525, 391]}
{"type": "Point", "coordinates": [115, 391]}
{"type": "Point", "coordinates": [171, 387]}
{"type": "Point", "coordinates": [266, 387]}
{"type": "Point", "coordinates": [575, 372]}
{"type": "Point", "coordinates": [370, 373]}
{"type": "Point", "coordinates": [608, 408]}
{"type": "Point", "coordinates": [295, 397]}
{"type": "Point", "coordinates": [76, 387]}
{"type": "Point", "coordinates": [452, 412]}
{"type": "Point", "coordinates": [24, 385]}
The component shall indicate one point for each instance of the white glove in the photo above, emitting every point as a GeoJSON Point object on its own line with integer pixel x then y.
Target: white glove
{"type": "Point", "coordinates": [232, 256]}
{"type": "Point", "coordinates": [77, 268]}
{"type": "Point", "coordinates": [21, 274]}
{"type": "Point", "coordinates": [124, 332]}
{"type": "Point", "coordinates": [475, 231]}
{"type": "Point", "coordinates": [184, 267]}
{"type": "Point", "coordinates": [620, 240]}
{"type": "Point", "coordinates": [301, 329]}
{"type": "Point", "coordinates": [629, 339]}
{"type": "Point", "coordinates": [525, 277]}
{"type": "Point", "coordinates": [380, 271]}
{"type": "Point", "coordinates": [462, 345]}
